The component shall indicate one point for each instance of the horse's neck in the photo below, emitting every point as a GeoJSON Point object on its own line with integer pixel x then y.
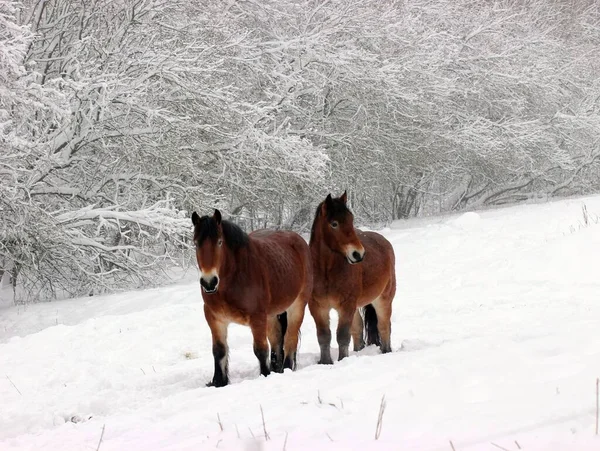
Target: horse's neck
{"type": "Point", "coordinates": [238, 262]}
{"type": "Point", "coordinates": [322, 256]}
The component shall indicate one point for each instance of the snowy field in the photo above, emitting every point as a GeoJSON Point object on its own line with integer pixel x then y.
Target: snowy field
{"type": "Point", "coordinates": [496, 338]}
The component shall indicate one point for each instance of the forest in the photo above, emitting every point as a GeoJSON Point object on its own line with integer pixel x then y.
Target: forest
{"type": "Point", "coordinates": [118, 118]}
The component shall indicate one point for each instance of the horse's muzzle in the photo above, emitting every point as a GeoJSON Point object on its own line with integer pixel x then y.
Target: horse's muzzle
{"type": "Point", "coordinates": [356, 257]}
{"type": "Point", "coordinates": [209, 284]}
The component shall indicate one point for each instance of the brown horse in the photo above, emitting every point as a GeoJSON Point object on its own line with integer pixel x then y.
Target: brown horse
{"type": "Point", "coordinates": [352, 269]}
{"type": "Point", "coordinates": [262, 280]}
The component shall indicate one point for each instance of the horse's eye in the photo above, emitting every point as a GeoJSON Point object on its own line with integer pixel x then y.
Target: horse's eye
{"type": "Point", "coordinates": [219, 242]}
{"type": "Point", "coordinates": [334, 224]}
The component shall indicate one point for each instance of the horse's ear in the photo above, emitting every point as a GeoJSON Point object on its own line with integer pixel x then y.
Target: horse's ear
{"type": "Point", "coordinates": [217, 216]}
{"type": "Point", "coordinates": [327, 204]}
{"type": "Point", "coordinates": [344, 197]}
{"type": "Point", "coordinates": [195, 218]}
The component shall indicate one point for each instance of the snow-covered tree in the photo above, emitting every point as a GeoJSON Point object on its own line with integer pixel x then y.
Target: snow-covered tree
{"type": "Point", "coordinates": [138, 121]}
{"type": "Point", "coordinates": [117, 118]}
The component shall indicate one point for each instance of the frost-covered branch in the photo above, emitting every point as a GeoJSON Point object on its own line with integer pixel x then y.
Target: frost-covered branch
{"type": "Point", "coordinates": [118, 117]}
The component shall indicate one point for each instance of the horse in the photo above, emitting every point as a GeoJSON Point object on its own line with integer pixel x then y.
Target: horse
{"type": "Point", "coordinates": [354, 272]}
{"type": "Point", "coordinates": [262, 280]}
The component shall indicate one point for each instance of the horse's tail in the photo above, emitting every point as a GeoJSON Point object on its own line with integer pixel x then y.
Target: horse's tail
{"type": "Point", "coordinates": [282, 318]}
{"type": "Point", "coordinates": [370, 322]}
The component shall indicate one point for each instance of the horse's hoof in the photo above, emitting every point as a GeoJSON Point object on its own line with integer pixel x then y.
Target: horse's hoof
{"type": "Point", "coordinates": [214, 384]}
{"type": "Point", "coordinates": [325, 362]}
{"type": "Point", "coordinates": [277, 368]}
{"type": "Point", "coordinates": [290, 363]}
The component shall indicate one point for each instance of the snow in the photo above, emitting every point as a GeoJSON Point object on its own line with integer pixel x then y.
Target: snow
{"type": "Point", "coordinates": [495, 336]}
{"type": "Point", "coordinates": [467, 220]}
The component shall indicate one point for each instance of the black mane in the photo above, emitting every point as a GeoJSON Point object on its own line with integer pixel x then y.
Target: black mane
{"type": "Point", "coordinates": [233, 235]}
{"type": "Point", "coordinates": [335, 209]}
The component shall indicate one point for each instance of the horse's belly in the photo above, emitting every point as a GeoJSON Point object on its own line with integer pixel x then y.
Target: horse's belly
{"type": "Point", "coordinates": [370, 293]}
{"type": "Point", "coordinates": [284, 293]}
{"type": "Point", "coordinates": [349, 286]}
{"type": "Point", "coordinates": [286, 277]}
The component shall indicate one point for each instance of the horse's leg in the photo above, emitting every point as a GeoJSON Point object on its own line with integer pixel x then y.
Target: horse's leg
{"type": "Point", "coordinates": [357, 331]}
{"type": "Point", "coordinates": [346, 314]}
{"type": "Point", "coordinates": [275, 332]}
{"type": "Point", "coordinates": [383, 309]}
{"type": "Point", "coordinates": [321, 317]}
{"type": "Point", "coordinates": [218, 329]}
{"type": "Point", "coordinates": [295, 314]}
{"type": "Point", "coordinates": [258, 325]}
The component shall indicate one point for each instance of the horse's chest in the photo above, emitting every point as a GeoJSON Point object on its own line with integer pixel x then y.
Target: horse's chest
{"type": "Point", "coordinates": [338, 282]}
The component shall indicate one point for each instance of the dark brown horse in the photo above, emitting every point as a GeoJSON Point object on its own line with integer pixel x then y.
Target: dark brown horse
{"type": "Point", "coordinates": [352, 269]}
{"type": "Point", "coordinates": [262, 280]}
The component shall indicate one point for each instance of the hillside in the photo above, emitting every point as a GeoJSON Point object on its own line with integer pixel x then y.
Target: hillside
{"type": "Point", "coordinates": [496, 338]}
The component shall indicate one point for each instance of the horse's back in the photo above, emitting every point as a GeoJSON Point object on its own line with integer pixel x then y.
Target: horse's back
{"type": "Point", "coordinates": [284, 240]}
{"type": "Point", "coordinates": [378, 244]}
{"type": "Point", "coordinates": [280, 247]}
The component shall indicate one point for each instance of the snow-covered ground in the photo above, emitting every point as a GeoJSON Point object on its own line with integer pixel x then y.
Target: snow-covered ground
{"type": "Point", "coordinates": [496, 333]}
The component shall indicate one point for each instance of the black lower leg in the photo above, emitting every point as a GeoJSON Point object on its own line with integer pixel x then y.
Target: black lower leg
{"type": "Point", "coordinates": [385, 345]}
{"type": "Point", "coordinates": [290, 361]}
{"type": "Point", "coordinates": [343, 339]}
{"type": "Point", "coordinates": [324, 338]}
{"type": "Point", "coordinates": [277, 360]}
{"type": "Point", "coordinates": [220, 378]}
{"type": "Point", "coordinates": [357, 331]}
{"type": "Point", "coordinates": [359, 343]}
{"type": "Point", "coordinates": [262, 355]}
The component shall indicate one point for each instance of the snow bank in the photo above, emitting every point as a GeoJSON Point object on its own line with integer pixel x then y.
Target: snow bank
{"type": "Point", "coordinates": [467, 220]}
{"type": "Point", "coordinates": [495, 333]}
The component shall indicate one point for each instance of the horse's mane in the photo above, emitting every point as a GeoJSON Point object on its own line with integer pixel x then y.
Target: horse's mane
{"type": "Point", "coordinates": [336, 208]}
{"type": "Point", "coordinates": [234, 236]}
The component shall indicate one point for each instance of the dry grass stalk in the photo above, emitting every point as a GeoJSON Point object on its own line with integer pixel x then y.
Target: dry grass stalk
{"type": "Point", "coordinates": [101, 437]}
{"type": "Point", "coordinates": [380, 418]}
{"type": "Point", "coordinates": [13, 384]}
{"type": "Point", "coordinates": [264, 424]}
{"type": "Point", "coordinates": [597, 402]}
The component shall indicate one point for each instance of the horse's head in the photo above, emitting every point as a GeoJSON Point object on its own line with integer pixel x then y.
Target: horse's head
{"type": "Point", "coordinates": [215, 240]}
{"type": "Point", "coordinates": [336, 227]}
{"type": "Point", "coordinates": [208, 238]}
